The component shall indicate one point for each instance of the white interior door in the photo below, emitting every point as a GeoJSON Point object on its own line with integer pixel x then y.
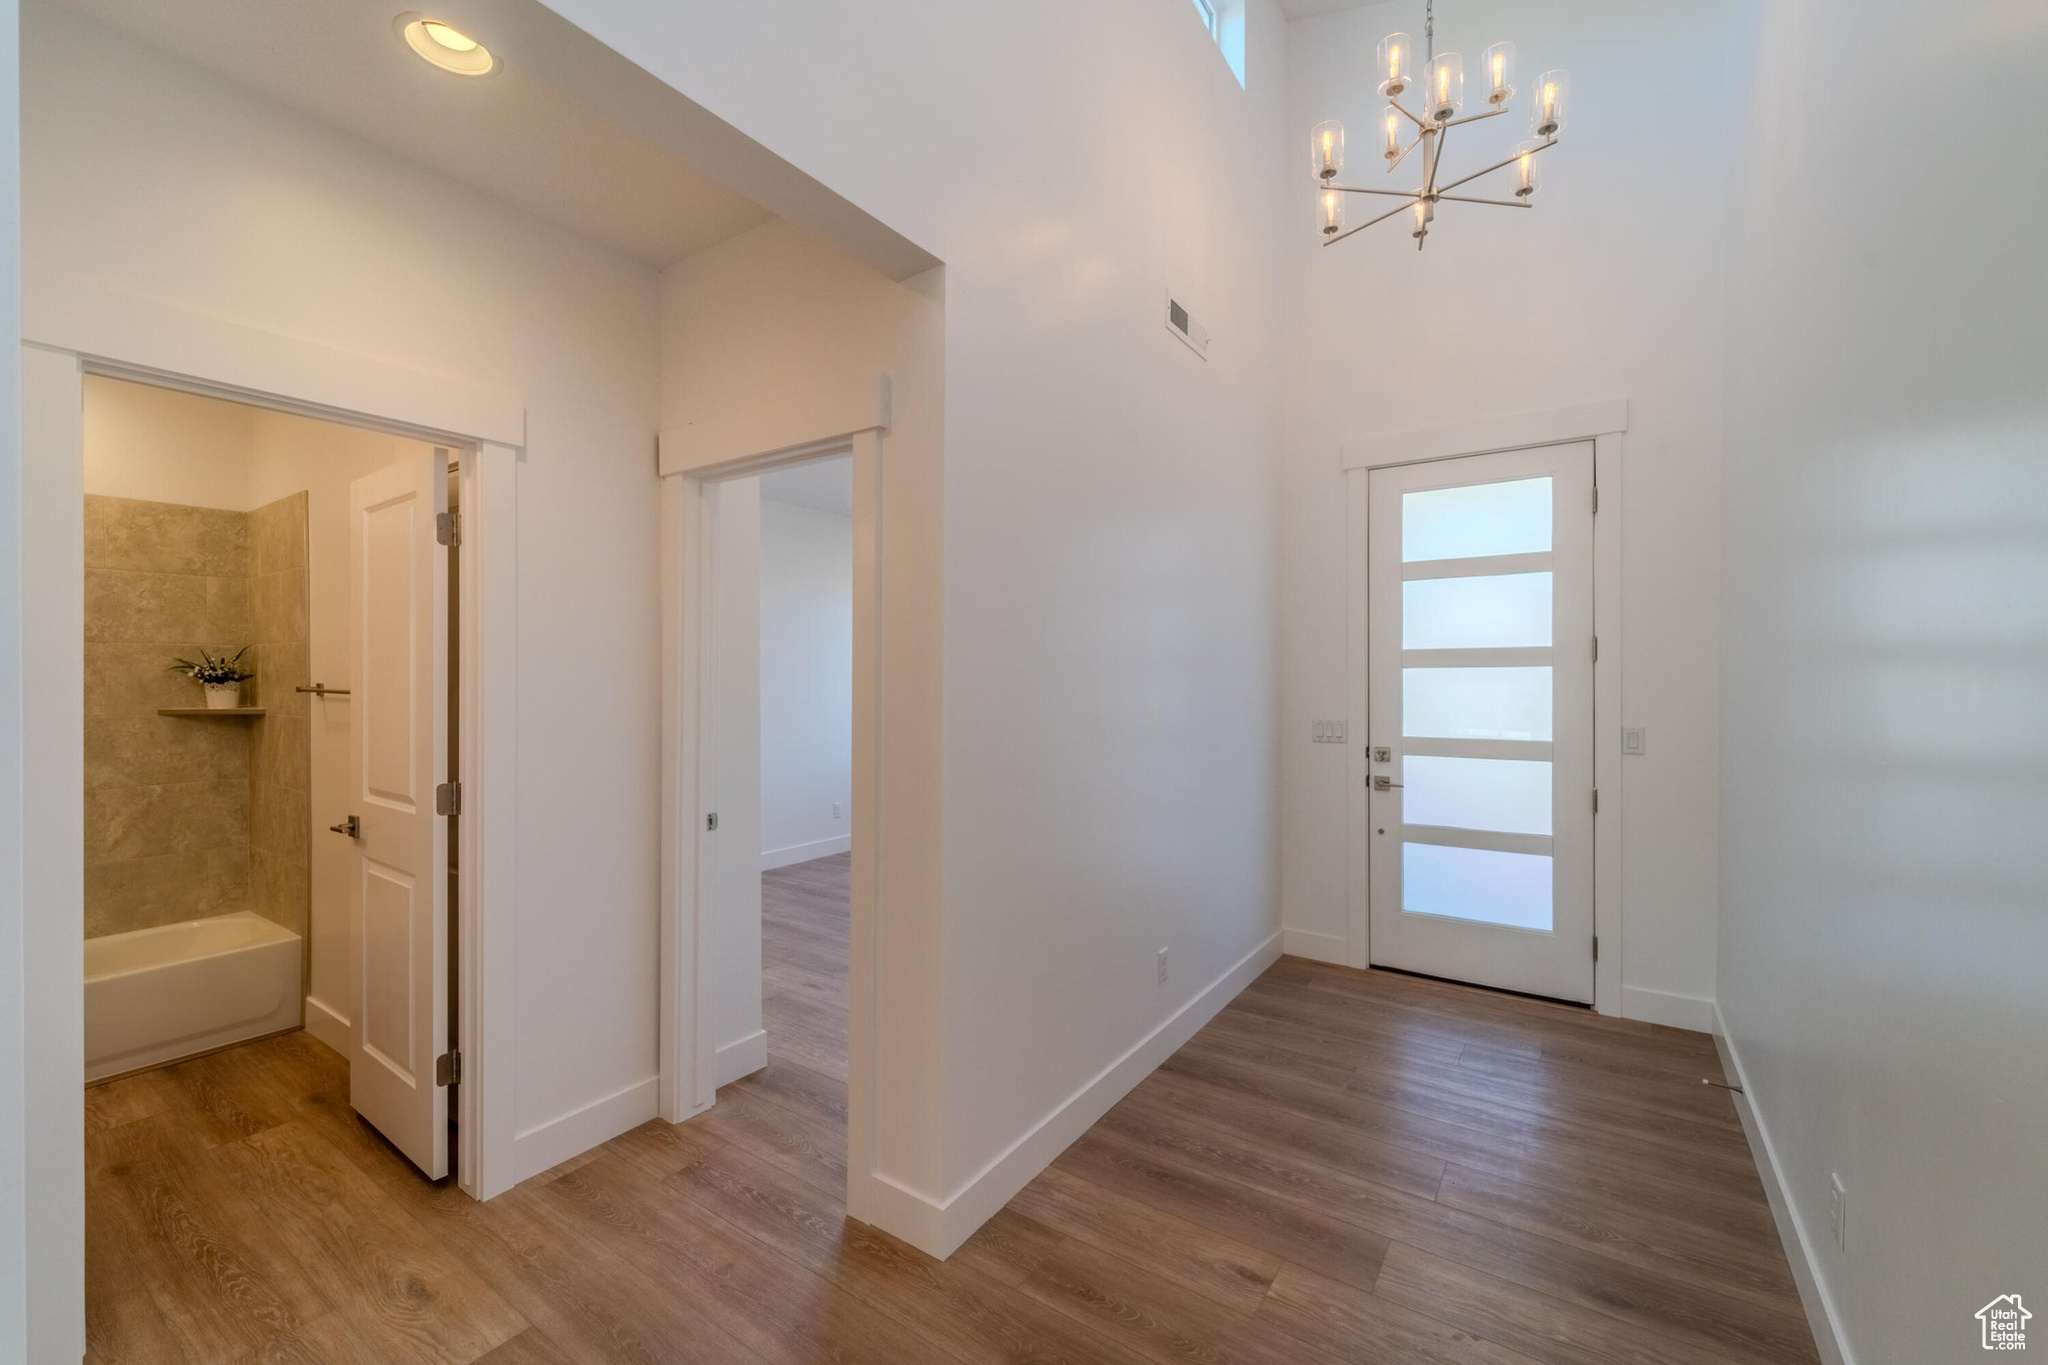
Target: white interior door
{"type": "Point", "coordinates": [398, 755]}
{"type": "Point", "coordinates": [1480, 679]}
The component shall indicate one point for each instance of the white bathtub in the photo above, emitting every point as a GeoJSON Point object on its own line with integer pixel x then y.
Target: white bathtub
{"type": "Point", "coordinates": [152, 995]}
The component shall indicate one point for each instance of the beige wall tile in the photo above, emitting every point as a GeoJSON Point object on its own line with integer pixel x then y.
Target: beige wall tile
{"type": "Point", "coordinates": [278, 821]}
{"type": "Point", "coordinates": [281, 756]}
{"type": "Point", "coordinates": [277, 535]}
{"type": "Point", "coordinates": [280, 607]}
{"type": "Point", "coordinates": [142, 893]}
{"type": "Point", "coordinates": [163, 537]}
{"type": "Point", "coordinates": [230, 613]}
{"type": "Point", "coordinates": [155, 750]}
{"type": "Point", "coordinates": [145, 607]}
{"type": "Point", "coordinates": [279, 889]}
{"type": "Point", "coordinates": [149, 821]}
{"type": "Point", "coordinates": [282, 670]}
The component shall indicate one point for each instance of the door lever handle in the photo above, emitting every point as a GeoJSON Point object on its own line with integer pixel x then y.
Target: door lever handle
{"type": "Point", "coordinates": [1379, 784]}
{"type": "Point", "coordinates": [352, 827]}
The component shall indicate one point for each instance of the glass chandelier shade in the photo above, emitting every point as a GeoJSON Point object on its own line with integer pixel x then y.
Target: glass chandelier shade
{"type": "Point", "coordinates": [1546, 109]}
{"type": "Point", "coordinates": [1326, 149]}
{"type": "Point", "coordinates": [1443, 84]}
{"type": "Point", "coordinates": [1500, 73]}
{"type": "Point", "coordinates": [1397, 65]}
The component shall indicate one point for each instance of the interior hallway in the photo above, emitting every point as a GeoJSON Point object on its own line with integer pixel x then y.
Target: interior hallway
{"type": "Point", "coordinates": [1343, 1166]}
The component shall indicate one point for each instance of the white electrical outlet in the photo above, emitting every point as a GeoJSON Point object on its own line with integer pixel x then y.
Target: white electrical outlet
{"type": "Point", "coordinates": [1838, 1213]}
{"type": "Point", "coordinates": [1162, 966]}
{"type": "Point", "coordinates": [837, 808]}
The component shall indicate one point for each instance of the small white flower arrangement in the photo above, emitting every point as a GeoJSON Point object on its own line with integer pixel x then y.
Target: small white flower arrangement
{"type": "Point", "coordinates": [222, 677]}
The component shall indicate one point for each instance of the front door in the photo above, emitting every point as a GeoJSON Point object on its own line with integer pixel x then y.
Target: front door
{"type": "Point", "coordinates": [1480, 680]}
{"type": "Point", "coordinates": [398, 754]}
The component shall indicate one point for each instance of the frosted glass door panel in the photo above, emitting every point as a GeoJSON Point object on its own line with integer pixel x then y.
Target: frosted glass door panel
{"type": "Point", "coordinates": [1475, 703]}
{"type": "Point", "coordinates": [1506, 795]}
{"type": "Point", "coordinates": [1511, 889]}
{"type": "Point", "coordinates": [1478, 519]}
{"type": "Point", "coordinates": [1495, 611]}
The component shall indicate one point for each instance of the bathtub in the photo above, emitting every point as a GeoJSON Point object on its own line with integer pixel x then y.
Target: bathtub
{"type": "Point", "coordinates": [154, 995]}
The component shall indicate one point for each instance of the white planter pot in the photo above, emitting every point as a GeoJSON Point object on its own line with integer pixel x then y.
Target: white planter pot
{"type": "Point", "coordinates": [223, 696]}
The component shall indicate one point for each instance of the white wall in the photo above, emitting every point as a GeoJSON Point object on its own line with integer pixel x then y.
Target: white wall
{"type": "Point", "coordinates": [146, 177]}
{"type": "Point", "coordinates": [806, 682]}
{"type": "Point", "coordinates": [1110, 528]}
{"type": "Point", "coordinates": [1609, 288]}
{"type": "Point", "coordinates": [1885, 913]}
{"type": "Point", "coordinates": [161, 445]}
{"type": "Point", "coordinates": [14, 1093]}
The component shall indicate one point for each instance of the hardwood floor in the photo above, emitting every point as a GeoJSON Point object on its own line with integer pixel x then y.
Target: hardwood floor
{"type": "Point", "coordinates": [1343, 1166]}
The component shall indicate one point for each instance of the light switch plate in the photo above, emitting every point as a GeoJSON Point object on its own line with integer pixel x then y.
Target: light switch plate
{"type": "Point", "coordinates": [1635, 740]}
{"type": "Point", "coordinates": [1330, 731]}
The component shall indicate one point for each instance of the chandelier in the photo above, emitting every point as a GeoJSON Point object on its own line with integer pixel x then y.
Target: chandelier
{"type": "Point", "coordinates": [1438, 86]}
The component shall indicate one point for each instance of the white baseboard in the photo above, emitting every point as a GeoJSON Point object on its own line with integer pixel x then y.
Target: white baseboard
{"type": "Point", "coordinates": [741, 1057]}
{"type": "Point", "coordinates": [330, 1025]}
{"type": "Point", "coordinates": [939, 1227]}
{"type": "Point", "coordinates": [772, 858]}
{"type": "Point", "coordinates": [1668, 1008]}
{"type": "Point", "coordinates": [1821, 1314]}
{"type": "Point", "coordinates": [1316, 947]}
{"type": "Point", "coordinates": [549, 1144]}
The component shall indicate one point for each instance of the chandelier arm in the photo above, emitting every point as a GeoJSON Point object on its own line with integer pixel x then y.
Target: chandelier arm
{"type": "Point", "coordinates": [1404, 112]}
{"type": "Point", "coordinates": [1474, 118]}
{"type": "Point", "coordinates": [1433, 161]}
{"type": "Point", "coordinates": [1468, 199]}
{"type": "Point", "coordinates": [1360, 189]}
{"type": "Point", "coordinates": [1498, 165]}
{"type": "Point", "coordinates": [1332, 241]}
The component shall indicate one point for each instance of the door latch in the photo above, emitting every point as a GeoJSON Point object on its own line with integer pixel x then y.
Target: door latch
{"type": "Point", "coordinates": [1382, 753]}
{"type": "Point", "coordinates": [1381, 784]}
{"type": "Point", "coordinates": [352, 827]}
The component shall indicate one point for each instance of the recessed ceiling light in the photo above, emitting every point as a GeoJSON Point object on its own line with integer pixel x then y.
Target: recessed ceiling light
{"type": "Point", "coordinates": [446, 47]}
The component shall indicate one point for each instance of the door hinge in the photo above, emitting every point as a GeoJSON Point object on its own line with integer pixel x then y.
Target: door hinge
{"type": "Point", "coordinates": [711, 821]}
{"type": "Point", "coordinates": [1596, 800]}
{"type": "Point", "coordinates": [448, 1069]}
{"type": "Point", "coordinates": [1596, 497]}
{"type": "Point", "coordinates": [1596, 947]}
{"type": "Point", "coordinates": [448, 528]}
{"type": "Point", "coordinates": [448, 799]}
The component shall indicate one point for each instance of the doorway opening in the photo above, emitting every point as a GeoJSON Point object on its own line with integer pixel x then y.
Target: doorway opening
{"type": "Point", "coordinates": [271, 722]}
{"type": "Point", "coordinates": [780, 923]}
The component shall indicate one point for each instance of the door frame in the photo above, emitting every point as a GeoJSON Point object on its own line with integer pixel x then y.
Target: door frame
{"type": "Point", "coordinates": [850, 422]}
{"type": "Point", "coordinates": [72, 327]}
{"type": "Point", "coordinates": [1605, 425]}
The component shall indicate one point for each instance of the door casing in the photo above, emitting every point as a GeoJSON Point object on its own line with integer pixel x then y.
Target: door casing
{"type": "Point", "coordinates": [74, 327]}
{"type": "Point", "coordinates": [1605, 424]}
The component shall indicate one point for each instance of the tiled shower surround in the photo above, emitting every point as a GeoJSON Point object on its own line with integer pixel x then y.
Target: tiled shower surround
{"type": "Point", "coordinates": [192, 817]}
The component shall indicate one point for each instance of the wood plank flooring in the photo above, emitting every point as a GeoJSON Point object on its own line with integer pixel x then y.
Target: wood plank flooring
{"type": "Point", "coordinates": [1343, 1167]}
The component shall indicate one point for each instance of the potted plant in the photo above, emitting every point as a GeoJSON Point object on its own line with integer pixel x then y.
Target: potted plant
{"type": "Point", "coordinates": [222, 677]}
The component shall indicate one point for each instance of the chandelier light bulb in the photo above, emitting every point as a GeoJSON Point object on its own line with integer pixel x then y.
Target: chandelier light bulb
{"type": "Point", "coordinates": [1391, 149]}
{"type": "Point", "coordinates": [1397, 63]}
{"type": "Point", "coordinates": [1500, 73]}
{"type": "Point", "coordinates": [1525, 169]}
{"type": "Point", "coordinates": [1547, 110]}
{"type": "Point", "coordinates": [1326, 149]}
{"type": "Point", "coordinates": [1444, 86]}
{"type": "Point", "coordinates": [1330, 213]}
{"type": "Point", "coordinates": [1422, 217]}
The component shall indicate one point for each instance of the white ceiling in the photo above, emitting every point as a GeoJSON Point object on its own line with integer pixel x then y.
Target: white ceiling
{"type": "Point", "coordinates": [511, 135]}
{"type": "Point", "coordinates": [826, 486]}
{"type": "Point", "coordinates": [1302, 9]}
